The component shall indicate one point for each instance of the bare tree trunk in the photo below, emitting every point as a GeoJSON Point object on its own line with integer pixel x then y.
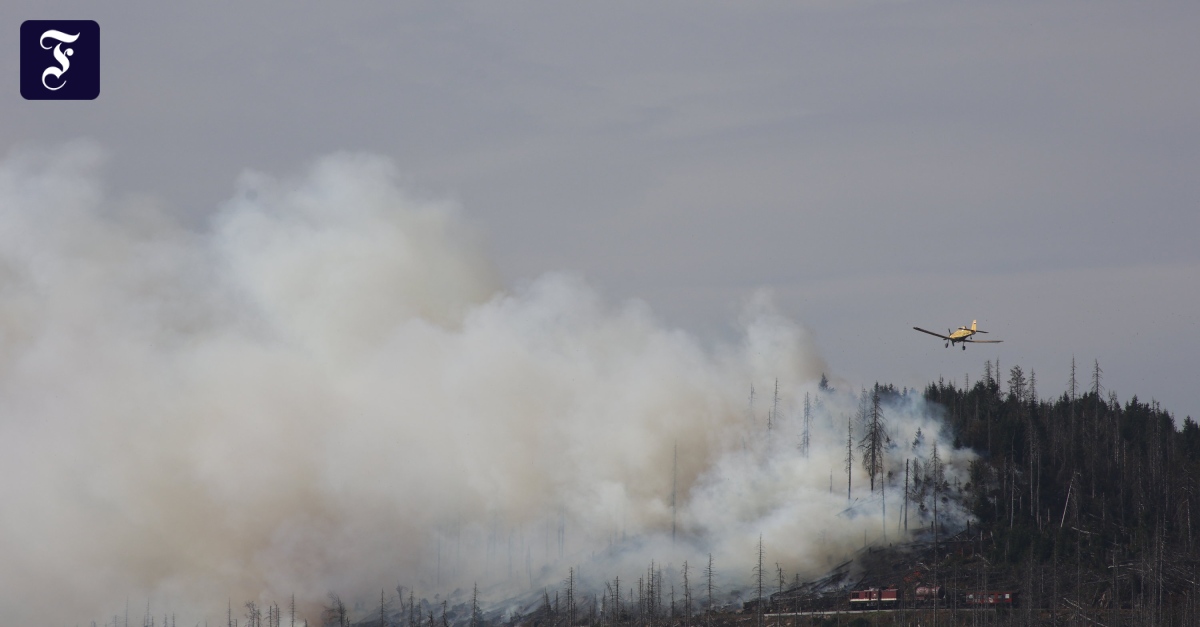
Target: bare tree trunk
{"type": "Point", "coordinates": [708, 574]}
{"type": "Point", "coordinates": [759, 579]}
{"type": "Point", "coordinates": [687, 597]}
{"type": "Point", "coordinates": [849, 454]}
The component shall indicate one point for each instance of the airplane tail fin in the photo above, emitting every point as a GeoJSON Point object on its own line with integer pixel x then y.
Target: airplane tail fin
{"type": "Point", "coordinates": [973, 325]}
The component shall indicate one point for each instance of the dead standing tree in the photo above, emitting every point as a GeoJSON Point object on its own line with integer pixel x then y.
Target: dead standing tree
{"type": "Point", "coordinates": [773, 416]}
{"type": "Point", "coordinates": [708, 576]}
{"type": "Point", "coordinates": [570, 598]}
{"type": "Point", "coordinates": [937, 476]}
{"type": "Point", "coordinates": [253, 614]}
{"type": "Point", "coordinates": [804, 433]}
{"type": "Point", "coordinates": [336, 613]}
{"type": "Point", "coordinates": [475, 602]}
{"type": "Point", "coordinates": [687, 597]}
{"type": "Point", "coordinates": [758, 575]}
{"type": "Point", "coordinates": [874, 439]}
{"type": "Point", "coordinates": [849, 454]}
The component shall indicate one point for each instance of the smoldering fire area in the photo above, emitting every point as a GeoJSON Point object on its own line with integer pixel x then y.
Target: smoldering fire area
{"type": "Point", "coordinates": [326, 388]}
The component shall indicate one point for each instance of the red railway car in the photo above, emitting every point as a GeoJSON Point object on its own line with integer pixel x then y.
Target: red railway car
{"type": "Point", "coordinates": [875, 597]}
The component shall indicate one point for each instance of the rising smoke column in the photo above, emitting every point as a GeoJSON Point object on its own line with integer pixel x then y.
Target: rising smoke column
{"type": "Point", "coordinates": [326, 388]}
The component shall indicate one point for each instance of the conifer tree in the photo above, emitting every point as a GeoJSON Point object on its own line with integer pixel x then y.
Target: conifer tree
{"type": "Point", "coordinates": [874, 438]}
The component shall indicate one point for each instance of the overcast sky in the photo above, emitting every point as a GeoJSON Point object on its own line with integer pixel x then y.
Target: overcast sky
{"type": "Point", "coordinates": [876, 165]}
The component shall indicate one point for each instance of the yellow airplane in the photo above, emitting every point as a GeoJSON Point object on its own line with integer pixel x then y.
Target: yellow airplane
{"type": "Point", "coordinates": [963, 334]}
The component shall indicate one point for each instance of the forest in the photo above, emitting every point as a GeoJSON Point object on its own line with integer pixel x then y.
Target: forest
{"type": "Point", "coordinates": [1084, 504]}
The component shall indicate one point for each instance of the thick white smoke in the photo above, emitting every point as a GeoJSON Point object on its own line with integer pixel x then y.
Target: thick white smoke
{"type": "Point", "coordinates": [326, 389]}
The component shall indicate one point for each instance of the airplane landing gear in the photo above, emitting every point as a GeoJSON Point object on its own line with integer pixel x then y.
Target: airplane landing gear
{"type": "Point", "coordinates": [964, 347]}
{"type": "Point", "coordinates": [947, 344]}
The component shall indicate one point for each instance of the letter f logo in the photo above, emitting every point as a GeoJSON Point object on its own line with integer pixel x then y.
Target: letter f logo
{"type": "Point", "coordinates": [52, 48]}
{"type": "Point", "coordinates": [59, 56]}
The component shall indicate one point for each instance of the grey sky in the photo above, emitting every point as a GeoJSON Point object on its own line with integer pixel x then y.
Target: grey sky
{"type": "Point", "coordinates": [878, 165]}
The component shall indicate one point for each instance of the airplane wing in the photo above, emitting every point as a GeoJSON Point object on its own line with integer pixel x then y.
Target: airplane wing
{"type": "Point", "coordinates": [931, 333]}
{"type": "Point", "coordinates": [982, 341]}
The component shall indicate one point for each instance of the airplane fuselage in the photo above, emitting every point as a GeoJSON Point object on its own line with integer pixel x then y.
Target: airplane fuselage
{"type": "Point", "coordinates": [961, 334]}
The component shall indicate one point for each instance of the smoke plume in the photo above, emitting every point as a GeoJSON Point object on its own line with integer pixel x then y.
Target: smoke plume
{"type": "Point", "coordinates": [326, 388]}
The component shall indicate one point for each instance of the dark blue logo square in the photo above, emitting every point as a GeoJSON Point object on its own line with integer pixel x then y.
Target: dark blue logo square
{"type": "Point", "coordinates": [60, 60]}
